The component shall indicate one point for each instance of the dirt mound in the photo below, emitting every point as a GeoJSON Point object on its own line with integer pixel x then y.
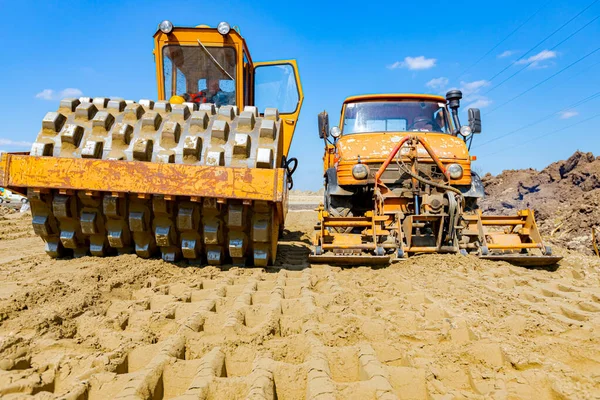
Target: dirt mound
{"type": "Point", "coordinates": [565, 196]}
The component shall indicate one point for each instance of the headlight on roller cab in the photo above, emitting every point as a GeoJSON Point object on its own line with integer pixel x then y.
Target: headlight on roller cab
{"type": "Point", "coordinates": [455, 171]}
{"type": "Point", "coordinates": [165, 26]}
{"type": "Point", "coordinates": [360, 172]}
{"type": "Point", "coordinates": [223, 28]}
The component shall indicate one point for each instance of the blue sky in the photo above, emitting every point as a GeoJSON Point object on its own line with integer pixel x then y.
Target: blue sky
{"type": "Point", "coordinates": [103, 48]}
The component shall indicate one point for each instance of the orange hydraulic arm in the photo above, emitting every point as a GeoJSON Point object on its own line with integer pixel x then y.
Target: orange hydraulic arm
{"type": "Point", "coordinates": [395, 151]}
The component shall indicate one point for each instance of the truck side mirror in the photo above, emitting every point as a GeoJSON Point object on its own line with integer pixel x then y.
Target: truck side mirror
{"type": "Point", "coordinates": [323, 124]}
{"type": "Point", "coordinates": [475, 120]}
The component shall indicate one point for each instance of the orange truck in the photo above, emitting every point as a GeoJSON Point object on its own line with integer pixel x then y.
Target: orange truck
{"type": "Point", "coordinates": [398, 182]}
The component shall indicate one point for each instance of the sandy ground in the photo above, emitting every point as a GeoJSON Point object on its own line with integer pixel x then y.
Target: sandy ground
{"type": "Point", "coordinates": [432, 327]}
{"type": "Point", "coordinates": [303, 201]}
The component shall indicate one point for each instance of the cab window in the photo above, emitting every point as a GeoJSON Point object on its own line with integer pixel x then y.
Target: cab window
{"type": "Point", "coordinates": [275, 86]}
{"type": "Point", "coordinates": [200, 75]}
{"type": "Point", "coordinates": [395, 116]}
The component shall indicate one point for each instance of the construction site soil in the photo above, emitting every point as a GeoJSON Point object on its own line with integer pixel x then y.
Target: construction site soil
{"type": "Point", "coordinates": [565, 196]}
{"type": "Point", "coordinates": [430, 327]}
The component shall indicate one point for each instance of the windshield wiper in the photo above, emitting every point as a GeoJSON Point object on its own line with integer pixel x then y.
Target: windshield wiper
{"type": "Point", "coordinates": [215, 61]}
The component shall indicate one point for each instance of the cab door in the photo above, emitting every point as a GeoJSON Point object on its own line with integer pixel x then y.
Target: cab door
{"type": "Point", "coordinates": [277, 85]}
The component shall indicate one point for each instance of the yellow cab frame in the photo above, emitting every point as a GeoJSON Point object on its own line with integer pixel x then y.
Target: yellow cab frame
{"type": "Point", "coordinates": [245, 68]}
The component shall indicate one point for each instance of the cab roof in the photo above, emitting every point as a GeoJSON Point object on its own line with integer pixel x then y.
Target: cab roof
{"type": "Point", "coordinates": [196, 28]}
{"type": "Point", "coordinates": [394, 96]}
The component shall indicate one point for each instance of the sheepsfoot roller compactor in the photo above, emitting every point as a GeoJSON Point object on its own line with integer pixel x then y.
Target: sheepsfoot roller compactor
{"type": "Point", "coordinates": [201, 174]}
{"type": "Point", "coordinates": [398, 182]}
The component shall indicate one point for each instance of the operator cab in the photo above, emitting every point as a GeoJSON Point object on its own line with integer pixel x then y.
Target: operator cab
{"type": "Point", "coordinates": [203, 65]}
{"type": "Point", "coordinates": [397, 113]}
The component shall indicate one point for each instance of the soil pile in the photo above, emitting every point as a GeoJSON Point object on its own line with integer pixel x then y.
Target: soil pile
{"type": "Point", "coordinates": [565, 196]}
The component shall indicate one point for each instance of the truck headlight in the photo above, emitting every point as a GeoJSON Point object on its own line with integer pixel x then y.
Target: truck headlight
{"type": "Point", "coordinates": [360, 172]}
{"type": "Point", "coordinates": [223, 28]}
{"type": "Point", "coordinates": [335, 132]}
{"type": "Point", "coordinates": [455, 171]}
{"type": "Point", "coordinates": [465, 130]}
{"type": "Point", "coordinates": [166, 26]}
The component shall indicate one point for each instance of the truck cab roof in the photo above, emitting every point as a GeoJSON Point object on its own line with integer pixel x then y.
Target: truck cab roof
{"type": "Point", "coordinates": [394, 97]}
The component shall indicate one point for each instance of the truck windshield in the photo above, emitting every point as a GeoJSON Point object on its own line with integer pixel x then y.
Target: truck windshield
{"type": "Point", "coordinates": [190, 72]}
{"type": "Point", "coordinates": [395, 116]}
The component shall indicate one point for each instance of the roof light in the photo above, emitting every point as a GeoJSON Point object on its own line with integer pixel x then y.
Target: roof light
{"type": "Point", "coordinates": [223, 28]}
{"type": "Point", "coordinates": [166, 26]}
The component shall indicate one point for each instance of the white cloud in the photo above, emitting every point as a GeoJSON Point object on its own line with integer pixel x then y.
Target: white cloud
{"type": "Point", "coordinates": [414, 63]}
{"type": "Point", "coordinates": [70, 92]}
{"type": "Point", "coordinates": [437, 83]}
{"type": "Point", "coordinates": [471, 93]}
{"type": "Point", "coordinates": [481, 102]}
{"type": "Point", "coordinates": [536, 61]}
{"type": "Point", "coordinates": [568, 114]}
{"type": "Point", "coordinates": [46, 94]}
{"type": "Point", "coordinates": [472, 88]}
{"type": "Point", "coordinates": [49, 94]}
{"type": "Point", "coordinates": [506, 53]}
{"type": "Point", "coordinates": [15, 143]}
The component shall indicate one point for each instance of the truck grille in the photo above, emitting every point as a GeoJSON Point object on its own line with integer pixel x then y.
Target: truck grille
{"type": "Point", "coordinates": [392, 174]}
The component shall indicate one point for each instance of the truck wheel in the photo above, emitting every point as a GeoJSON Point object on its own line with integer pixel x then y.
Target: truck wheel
{"type": "Point", "coordinates": [471, 204]}
{"type": "Point", "coordinates": [339, 208]}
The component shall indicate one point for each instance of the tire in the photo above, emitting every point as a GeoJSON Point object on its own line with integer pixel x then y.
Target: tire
{"type": "Point", "coordinates": [339, 208]}
{"type": "Point", "coordinates": [160, 132]}
{"type": "Point", "coordinates": [471, 204]}
{"type": "Point", "coordinates": [341, 212]}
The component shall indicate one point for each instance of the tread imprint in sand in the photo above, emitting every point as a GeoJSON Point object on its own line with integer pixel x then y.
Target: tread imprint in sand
{"type": "Point", "coordinates": [319, 333]}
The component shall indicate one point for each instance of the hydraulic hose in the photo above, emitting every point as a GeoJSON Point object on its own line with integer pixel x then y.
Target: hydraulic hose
{"type": "Point", "coordinates": [434, 184]}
